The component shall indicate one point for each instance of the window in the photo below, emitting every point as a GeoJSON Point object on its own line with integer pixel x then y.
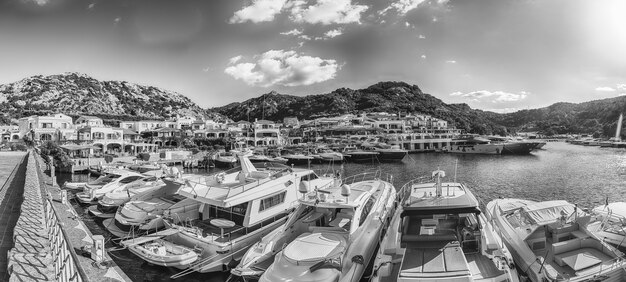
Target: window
{"type": "Point", "coordinates": [366, 210]}
{"type": "Point", "coordinates": [309, 177]}
{"type": "Point", "coordinates": [272, 201]}
{"type": "Point", "coordinates": [130, 179]}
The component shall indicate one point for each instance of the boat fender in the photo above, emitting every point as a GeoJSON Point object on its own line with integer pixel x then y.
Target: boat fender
{"type": "Point", "coordinates": [220, 177]}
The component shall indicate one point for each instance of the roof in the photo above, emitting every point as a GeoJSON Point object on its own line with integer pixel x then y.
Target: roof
{"type": "Point", "coordinates": [74, 147]}
{"type": "Point", "coordinates": [264, 121]}
{"type": "Point", "coordinates": [453, 196]}
{"type": "Point", "coordinates": [88, 117]}
{"type": "Point", "coordinates": [547, 212]}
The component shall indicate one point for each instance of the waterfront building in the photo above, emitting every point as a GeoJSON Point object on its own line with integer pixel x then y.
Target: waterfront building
{"type": "Point", "coordinates": [9, 133]}
{"type": "Point", "coordinates": [55, 127]}
{"type": "Point", "coordinates": [85, 121]}
{"type": "Point", "coordinates": [267, 133]}
{"type": "Point", "coordinates": [142, 125]}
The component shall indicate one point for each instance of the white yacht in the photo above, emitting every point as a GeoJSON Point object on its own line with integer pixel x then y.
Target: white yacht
{"type": "Point", "coordinates": [236, 210]}
{"type": "Point", "coordinates": [549, 241]}
{"type": "Point", "coordinates": [438, 233]}
{"type": "Point", "coordinates": [117, 179]}
{"type": "Point", "coordinates": [474, 145]}
{"type": "Point", "coordinates": [225, 159]}
{"type": "Point", "coordinates": [110, 202]}
{"type": "Point", "coordinates": [99, 182]}
{"type": "Point", "coordinates": [610, 223]}
{"type": "Point", "coordinates": [331, 236]}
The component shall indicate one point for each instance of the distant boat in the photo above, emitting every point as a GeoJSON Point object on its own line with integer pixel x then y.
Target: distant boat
{"type": "Point", "coordinates": [225, 159]}
{"type": "Point", "coordinates": [474, 145]}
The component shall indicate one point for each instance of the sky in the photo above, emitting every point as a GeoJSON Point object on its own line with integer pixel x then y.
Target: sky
{"type": "Point", "coordinates": [497, 55]}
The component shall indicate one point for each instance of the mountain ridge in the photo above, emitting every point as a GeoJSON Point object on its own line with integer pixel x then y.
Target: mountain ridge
{"type": "Point", "coordinates": [80, 94]}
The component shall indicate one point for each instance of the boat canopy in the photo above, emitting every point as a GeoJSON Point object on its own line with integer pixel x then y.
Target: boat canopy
{"type": "Point", "coordinates": [547, 212]}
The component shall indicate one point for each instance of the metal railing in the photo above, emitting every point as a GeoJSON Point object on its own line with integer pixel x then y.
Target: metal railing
{"type": "Point", "coordinates": [404, 192]}
{"type": "Point", "coordinates": [368, 175]}
{"type": "Point", "coordinates": [64, 258]}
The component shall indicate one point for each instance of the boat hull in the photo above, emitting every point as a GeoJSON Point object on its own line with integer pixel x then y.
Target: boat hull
{"type": "Point", "coordinates": [391, 156]}
{"type": "Point", "coordinates": [518, 148]}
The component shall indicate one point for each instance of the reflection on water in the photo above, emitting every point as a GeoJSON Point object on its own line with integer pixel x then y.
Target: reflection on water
{"type": "Point", "coordinates": [578, 174]}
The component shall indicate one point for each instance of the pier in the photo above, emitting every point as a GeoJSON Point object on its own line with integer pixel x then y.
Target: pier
{"type": "Point", "coordinates": [44, 237]}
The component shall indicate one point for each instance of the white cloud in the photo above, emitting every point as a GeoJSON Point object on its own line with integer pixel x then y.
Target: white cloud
{"type": "Point", "coordinates": [423, 56]}
{"type": "Point", "coordinates": [402, 6]}
{"type": "Point", "coordinates": [287, 68]}
{"type": "Point", "coordinates": [326, 12]}
{"type": "Point", "coordinates": [333, 33]}
{"type": "Point", "coordinates": [451, 61]}
{"type": "Point", "coordinates": [421, 37]}
{"type": "Point", "coordinates": [234, 59]}
{"type": "Point", "coordinates": [503, 110]}
{"type": "Point", "coordinates": [605, 89]}
{"type": "Point", "coordinates": [493, 96]}
{"type": "Point", "coordinates": [91, 6]}
{"type": "Point", "coordinates": [294, 32]}
{"type": "Point", "coordinates": [258, 11]}
{"type": "Point", "coordinates": [621, 87]}
{"type": "Point", "coordinates": [304, 37]}
{"type": "Point", "coordinates": [206, 69]}
{"type": "Point", "coordinates": [117, 20]}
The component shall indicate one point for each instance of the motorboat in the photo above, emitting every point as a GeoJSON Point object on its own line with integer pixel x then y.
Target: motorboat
{"type": "Point", "coordinates": [609, 223]}
{"type": "Point", "coordinates": [236, 210]}
{"type": "Point", "coordinates": [391, 153]}
{"type": "Point", "coordinates": [298, 158]}
{"type": "Point", "coordinates": [439, 233]}
{"type": "Point", "coordinates": [111, 201]}
{"type": "Point", "coordinates": [162, 252]}
{"type": "Point", "coordinates": [360, 156]}
{"type": "Point", "coordinates": [329, 156]}
{"type": "Point", "coordinates": [331, 236]}
{"type": "Point", "coordinates": [117, 179]}
{"type": "Point", "coordinates": [474, 145]}
{"type": "Point", "coordinates": [514, 146]}
{"type": "Point", "coordinates": [139, 217]}
{"type": "Point", "coordinates": [97, 183]}
{"type": "Point", "coordinates": [225, 159]}
{"type": "Point", "coordinates": [549, 241]}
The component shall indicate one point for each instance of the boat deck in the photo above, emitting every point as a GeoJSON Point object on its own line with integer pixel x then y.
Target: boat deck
{"type": "Point", "coordinates": [565, 270]}
{"type": "Point", "coordinates": [482, 267]}
{"type": "Point", "coordinates": [232, 233]}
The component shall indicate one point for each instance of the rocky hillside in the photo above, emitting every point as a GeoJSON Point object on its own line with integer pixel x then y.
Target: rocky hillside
{"type": "Point", "coordinates": [390, 97]}
{"type": "Point", "coordinates": [77, 94]}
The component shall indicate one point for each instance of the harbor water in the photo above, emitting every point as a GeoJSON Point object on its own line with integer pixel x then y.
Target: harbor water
{"type": "Point", "coordinates": [8, 161]}
{"type": "Point", "coordinates": [579, 174]}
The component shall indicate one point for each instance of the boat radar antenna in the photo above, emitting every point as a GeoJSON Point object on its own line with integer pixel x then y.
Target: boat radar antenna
{"type": "Point", "coordinates": [439, 174]}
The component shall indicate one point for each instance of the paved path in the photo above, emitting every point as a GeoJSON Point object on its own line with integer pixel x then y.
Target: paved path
{"type": "Point", "coordinates": [29, 259]}
{"type": "Point", "coordinates": [10, 203]}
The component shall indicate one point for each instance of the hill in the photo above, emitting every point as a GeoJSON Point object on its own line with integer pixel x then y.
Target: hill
{"type": "Point", "coordinates": [392, 97]}
{"type": "Point", "coordinates": [78, 94]}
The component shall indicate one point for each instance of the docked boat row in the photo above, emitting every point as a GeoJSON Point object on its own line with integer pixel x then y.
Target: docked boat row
{"type": "Point", "coordinates": [280, 223]}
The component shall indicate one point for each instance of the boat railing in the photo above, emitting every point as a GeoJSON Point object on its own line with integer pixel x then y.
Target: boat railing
{"type": "Point", "coordinates": [405, 191]}
{"type": "Point", "coordinates": [368, 175]}
{"type": "Point", "coordinates": [231, 190]}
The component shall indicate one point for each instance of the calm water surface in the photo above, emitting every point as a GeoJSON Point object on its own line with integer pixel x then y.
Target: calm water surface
{"type": "Point", "coordinates": [578, 174]}
{"type": "Point", "coordinates": [8, 161]}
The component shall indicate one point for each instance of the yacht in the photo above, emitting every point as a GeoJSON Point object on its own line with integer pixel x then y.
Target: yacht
{"type": "Point", "coordinates": [225, 159]}
{"type": "Point", "coordinates": [236, 210]}
{"type": "Point", "coordinates": [438, 233]}
{"type": "Point", "coordinates": [99, 182]}
{"type": "Point", "coordinates": [117, 179]}
{"type": "Point", "coordinates": [329, 156]}
{"type": "Point", "coordinates": [111, 201]}
{"type": "Point", "coordinates": [331, 236]}
{"type": "Point", "coordinates": [549, 241]}
{"type": "Point", "coordinates": [610, 223]}
{"type": "Point", "coordinates": [474, 145]}
{"type": "Point", "coordinates": [358, 156]}
{"type": "Point", "coordinates": [391, 153]}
